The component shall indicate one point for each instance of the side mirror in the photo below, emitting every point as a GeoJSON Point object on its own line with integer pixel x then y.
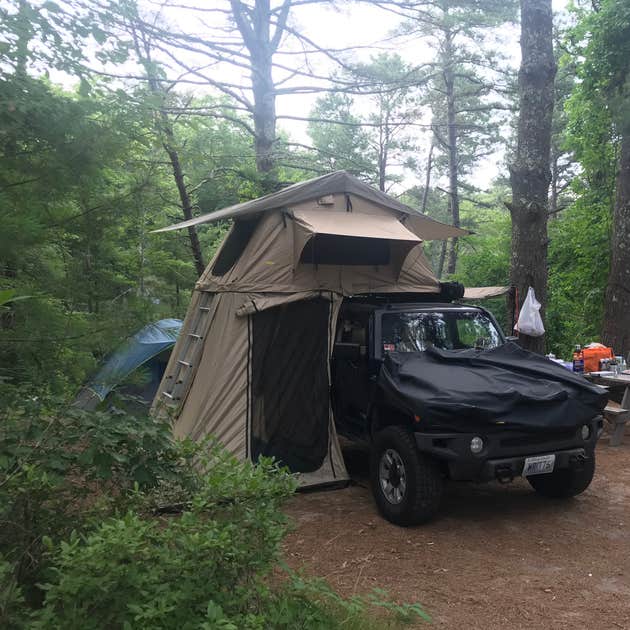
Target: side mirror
{"type": "Point", "coordinates": [347, 351]}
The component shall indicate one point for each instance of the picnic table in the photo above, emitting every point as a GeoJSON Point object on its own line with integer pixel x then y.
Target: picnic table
{"type": "Point", "coordinates": [616, 414]}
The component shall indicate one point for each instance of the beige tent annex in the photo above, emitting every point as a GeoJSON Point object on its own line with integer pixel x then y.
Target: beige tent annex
{"type": "Point", "coordinates": [252, 363]}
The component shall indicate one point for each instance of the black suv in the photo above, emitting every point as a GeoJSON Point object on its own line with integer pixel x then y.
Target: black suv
{"type": "Point", "coordinates": [438, 392]}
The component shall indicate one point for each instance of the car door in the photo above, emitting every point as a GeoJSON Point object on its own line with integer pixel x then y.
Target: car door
{"type": "Point", "coordinates": [351, 377]}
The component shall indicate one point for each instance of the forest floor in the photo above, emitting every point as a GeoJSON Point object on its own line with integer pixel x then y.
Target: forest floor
{"type": "Point", "coordinates": [496, 557]}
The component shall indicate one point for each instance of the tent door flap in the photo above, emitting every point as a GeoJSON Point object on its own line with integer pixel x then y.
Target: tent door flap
{"type": "Point", "coordinates": [289, 387]}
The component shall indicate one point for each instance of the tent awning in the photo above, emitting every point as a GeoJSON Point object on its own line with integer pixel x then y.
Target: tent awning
{"type": "Point", "coordinates": [354, 224]}
{"type": "Point", "coordinates": [481, 293]}
{"type": "Point", "coordinates": [429, 229]}
{"type": "Point", "coordinates": [338, 182]}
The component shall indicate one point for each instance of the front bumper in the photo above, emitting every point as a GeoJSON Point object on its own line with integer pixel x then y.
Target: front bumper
{"type": "Point", "coordinates": [504, 452]}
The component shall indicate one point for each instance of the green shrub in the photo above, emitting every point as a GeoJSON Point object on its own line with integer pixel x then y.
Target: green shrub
{"type": "Point", "coordinates": [64, 469]}
{"type": "Point", "coordinates": [107, 522]}
{"type": "Point", "coordinates": [13, 610]}
{"type": "Point", "coordinates": [181, 571]}
{"type": "Point", "coordinates": [212, 566]}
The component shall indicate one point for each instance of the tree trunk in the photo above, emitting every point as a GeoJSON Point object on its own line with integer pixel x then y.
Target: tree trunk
{"type": "Point", "coordinates": [264, 113]}
{"type": "Point", "coordinates": [530, 172]}
{"type": "Point", "coordinates": [440, 269]}
{"type": "Point", "coordinates": [382, 167]}
{"type": "Point", "coordinates": [254, 25]}
{"type": "Point", "coordinates": [427, 180]}
{"type": "Point", "coordinates": [616, 330]}
{"type": "Point", "coordinates": [25, 35]}
{"type": "Point", "coordinates": [165, 129]}
{"type": "Point", "coordinates": [184, 197]}
{"type": "Point", "coordinates": [453, 156]}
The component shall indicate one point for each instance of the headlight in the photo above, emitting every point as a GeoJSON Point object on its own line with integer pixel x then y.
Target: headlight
{"type": "Point", "coordinates": [476, 445]}
{"type": "Point", "coordinates": [586, 432]}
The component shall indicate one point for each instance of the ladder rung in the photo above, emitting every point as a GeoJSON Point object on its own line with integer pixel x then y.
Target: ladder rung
{"type": "Point", "coordinates": [204, 308]}
{"type": "Point", "coordinates": [184, 363]}
{"type": "Point", "coordinates": [168, 395]}
{"type": "Point", "coordinates": [195, 335]}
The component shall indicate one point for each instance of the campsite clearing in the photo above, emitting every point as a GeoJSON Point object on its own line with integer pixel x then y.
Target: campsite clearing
{"type": "Point", "coordinates": [497, 557]}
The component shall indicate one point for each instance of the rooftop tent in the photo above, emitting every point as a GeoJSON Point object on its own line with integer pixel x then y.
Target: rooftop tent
{"type": "Point", "coordinates": [251, 366]}
{"type": "Point", "coordinates": [345, 187]}
{"type": "Point", "coordinates": [142, 349]}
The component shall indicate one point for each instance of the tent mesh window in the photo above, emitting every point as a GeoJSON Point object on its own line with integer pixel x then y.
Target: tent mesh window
{"type": "Point", "coordinates": [289, 384]}
{"type": "Point", "coordinates": [331, 249]}
{"type": "Point", "coordinates": [234, 245]}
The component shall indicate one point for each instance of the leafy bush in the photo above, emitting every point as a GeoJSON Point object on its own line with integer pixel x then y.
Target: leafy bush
{"type": "Point", "coordinates": [107, 522]}
{"type": "Point", "coordinates": [13, 610]}
{"type": "Point", "coordinates": [64, 469]}
{"type": "Point", "coordinates": [210, 567]}
{"type": "Point", "coordinates": [201, 567]}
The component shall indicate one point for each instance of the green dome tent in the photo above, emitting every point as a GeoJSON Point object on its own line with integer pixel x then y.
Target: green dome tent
{"type": "Point", "coordinates": [149, 347]}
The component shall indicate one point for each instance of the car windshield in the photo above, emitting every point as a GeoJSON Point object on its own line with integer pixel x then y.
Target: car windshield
{"type": "Point", "coordinates": [447, 330]}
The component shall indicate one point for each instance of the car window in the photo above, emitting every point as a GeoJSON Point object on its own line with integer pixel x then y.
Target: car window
{"type": "Point", "coordinates": [476, 330]}
{"type": "Point", "coordinates": [413, 332]}
{"type": "Point", "coordinates": [450, 330]}
{"type": "Point", "coordinates": [353, 328]}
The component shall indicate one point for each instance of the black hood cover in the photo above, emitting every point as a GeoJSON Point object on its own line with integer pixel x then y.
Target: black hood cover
{"type": "Point", "coordinates": [459, 390]}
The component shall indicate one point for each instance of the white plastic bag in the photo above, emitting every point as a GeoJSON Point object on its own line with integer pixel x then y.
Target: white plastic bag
{"type": "Point", "coordinates": [529, 320]}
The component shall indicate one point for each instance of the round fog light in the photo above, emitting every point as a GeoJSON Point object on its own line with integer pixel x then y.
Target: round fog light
{"type": "Point", "coordinates": [586, 432]}
{"type": "Point", "coordinates": [476, 445]}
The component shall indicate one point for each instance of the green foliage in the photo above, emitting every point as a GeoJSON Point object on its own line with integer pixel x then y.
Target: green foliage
{"type": "Point", "coordinates": [578, 269]}
{"type": "Point", "coordinates": [76, 228]}
{"type": "Point", "coordinates": [108, 522]}
{"type": "Point", "coordinates": [602, 38]}
{"type": "Point", "coordinates": [201, 567]}
{"type": "Point", "coordinates": [485, 256]}
{"type": "Point", "coordinates": [62, 468]}
{"type": "Point", "coordinates": [597, 112]}
{"type": "Point", "coordinates": [13, 610]}
{"type": "Point", "coordinates": [343, 144]}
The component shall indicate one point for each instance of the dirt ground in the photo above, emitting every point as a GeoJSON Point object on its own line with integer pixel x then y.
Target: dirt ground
{"type": "Point", "coordinates": [497, 557]}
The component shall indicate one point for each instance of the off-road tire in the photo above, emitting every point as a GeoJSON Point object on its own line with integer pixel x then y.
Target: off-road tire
{"type": "Point", "coordinates": [424, 484]}
{"type": "Point", "coordinates": [565, 482]}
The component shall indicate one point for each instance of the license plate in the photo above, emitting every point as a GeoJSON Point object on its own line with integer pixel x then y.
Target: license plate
{"type": "Point", "coordinates": [539, 465]}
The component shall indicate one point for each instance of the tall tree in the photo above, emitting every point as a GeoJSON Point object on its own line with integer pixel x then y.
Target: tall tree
{"type": "Point", "coordinates": [164, 127]}
{"type": "Point", "coordinates": [465, 81]}
{"type": "Point", "coordinates": [616, 332]}
{"type": "Point", "coordinates": [262, 28]}
{"type": "Point", "coordinates": [379, 140]}
{"type": "Point", "coordinates": [339, 139]}
{"type": "Point", "coordinates": [605, 83]}
{"type": "Point", "coordinates": [530, 172]}
{"type": "Point", "coordinates": [393, 108]}
{"type": "Point", "coordinates": [239, 53]}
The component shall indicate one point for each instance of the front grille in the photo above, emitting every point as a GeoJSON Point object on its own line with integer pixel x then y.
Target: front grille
{"type": "Point", "coordinates": [537, 439]}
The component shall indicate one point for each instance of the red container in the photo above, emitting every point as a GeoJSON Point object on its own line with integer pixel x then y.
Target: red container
{"type": "Point", "coordinates": [593, 355]}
